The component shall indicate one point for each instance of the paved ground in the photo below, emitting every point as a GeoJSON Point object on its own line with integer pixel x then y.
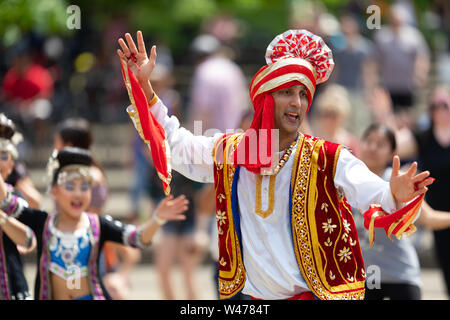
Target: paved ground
{"type": "Point", "coordinates": [145, 283]}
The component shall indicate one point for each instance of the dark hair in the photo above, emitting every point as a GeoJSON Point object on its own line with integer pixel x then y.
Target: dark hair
{"type": "Point", "coordinates": [7, 127]}
{"type": "Point", "coordinates": [77, 132]}
{"type": "Point", "coordinates": [390, 135]}
{"type": "Point", "coordinates": [72, 155]}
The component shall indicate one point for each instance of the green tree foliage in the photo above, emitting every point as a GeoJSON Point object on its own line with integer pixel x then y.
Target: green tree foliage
{"type": "Point", "coordinates": [20, 16]}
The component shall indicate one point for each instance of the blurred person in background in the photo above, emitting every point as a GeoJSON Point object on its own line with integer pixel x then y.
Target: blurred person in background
{"type": "Point", "coordinates": [27, 89]}
{"type": "Point", "coordinates": [218, 94]}
{"type": "Point", "coordinates": [354, 70]}
{"type": "Point", "coordinates": [330, 116]}
{"type": "Point", "coordinates": [396, 259]}
{"type": "Point", "coordinates": [13, 284]}
{"type": "Point", "coordinates": [76, 132]}
{"type": "Point", "coordinates": [431, 148]}
{"type": "Point", "coordinates": [403, 62]}
{"type": "Point", "coordinates": [19, 179]}
{"type": "Point", "coordinates": [176, 244]}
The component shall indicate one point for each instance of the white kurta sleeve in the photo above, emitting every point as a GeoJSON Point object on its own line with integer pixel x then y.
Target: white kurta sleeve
{"type": "Point", "coordinates": [191, 154]}
{"type": "Point", "coordinates": [361, 186]}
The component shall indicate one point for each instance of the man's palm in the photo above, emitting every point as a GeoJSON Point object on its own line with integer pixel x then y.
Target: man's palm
{"type": "Point", "coordinates": [408, 185]}
{"type": "Point", "coordinates": [136, 57]}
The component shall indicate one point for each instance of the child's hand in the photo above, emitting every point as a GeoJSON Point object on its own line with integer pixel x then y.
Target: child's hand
{"type": "Point", "coordinates": [169, 208]}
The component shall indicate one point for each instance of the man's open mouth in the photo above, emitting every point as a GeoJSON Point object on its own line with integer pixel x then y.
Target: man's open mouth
{"type": "Point", "coordinates": [292, 116]}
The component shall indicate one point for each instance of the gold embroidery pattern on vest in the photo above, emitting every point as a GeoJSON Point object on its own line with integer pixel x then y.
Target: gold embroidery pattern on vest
{"type": "Point", "coordinates": [258, 200]}
{"type": "Point", "coordinates": [221, 217]}
{"type": "Point", "coordinates": [300, 226]}
{"type": "Point", "coordinates": [228, 288]}
{"type": "Point", "coordinates": [232, 281]}
{"type": "Point", "coordinates": [303, 154]}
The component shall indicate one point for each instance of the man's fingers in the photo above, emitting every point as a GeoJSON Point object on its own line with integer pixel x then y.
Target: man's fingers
{"type": "Point", "coordinates": [419, 192]}
{"type": "Point", "coordinates": [124, 47]}
{"type": "Point", "coordinates": [152, 58]}
{"type": "Point", "coordinates": [421, 176]}
{"type": "Point", "coordinates": [121, 55]}
{"type": "Point", "coordinates": [412, 170]}
{"type": "Point", "coordinates": [131, 44]}
{"type": "Point", "coordinates": [141, 43]}
{"type": "Point", "coordinates": [424, 183]}
{"type": "Point", "coordinates": [395, 166]}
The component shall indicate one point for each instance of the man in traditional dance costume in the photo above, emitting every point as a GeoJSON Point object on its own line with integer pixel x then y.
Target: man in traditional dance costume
{"type": "Point", "coordinates": [285, 226]}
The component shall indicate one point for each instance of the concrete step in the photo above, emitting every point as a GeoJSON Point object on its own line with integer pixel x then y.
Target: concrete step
{"type": "Point", "coordinates": [108, 155]}
{"type": "Point", "coordinates": [112, 146]}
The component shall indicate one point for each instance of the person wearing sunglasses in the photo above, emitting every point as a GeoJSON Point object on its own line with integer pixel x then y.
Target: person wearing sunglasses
{"type": "Point", "coordinates": [431, 147]}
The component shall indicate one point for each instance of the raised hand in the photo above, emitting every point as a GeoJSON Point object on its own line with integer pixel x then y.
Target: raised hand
{"type": "Point", "coordinates": [408, 185]}
{"type": "Point", "coordinates": [136, 58]}
{"type": "Point", "coordinates": [170, 208]}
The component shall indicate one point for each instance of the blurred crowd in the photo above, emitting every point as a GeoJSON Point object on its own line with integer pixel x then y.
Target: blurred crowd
{"type": "Point", "coordinates": [394, 75]}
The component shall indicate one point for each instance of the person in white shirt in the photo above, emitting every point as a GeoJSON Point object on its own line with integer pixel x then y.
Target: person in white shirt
{"type": "Point", "coordinates": [285, 226]}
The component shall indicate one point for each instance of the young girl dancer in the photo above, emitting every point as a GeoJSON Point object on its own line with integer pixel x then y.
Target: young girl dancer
{"type": "Point", "coordinates": [69, 241]}
{"type": "Point", "coordinates": [116, 260]}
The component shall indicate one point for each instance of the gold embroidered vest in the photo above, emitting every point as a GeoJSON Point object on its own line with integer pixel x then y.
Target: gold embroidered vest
{"type": "Point", "coordinates": [325, 241]}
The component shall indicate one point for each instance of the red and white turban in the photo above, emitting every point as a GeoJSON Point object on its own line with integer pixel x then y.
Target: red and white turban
{"type": "Point", "coordinates": [294, 57]}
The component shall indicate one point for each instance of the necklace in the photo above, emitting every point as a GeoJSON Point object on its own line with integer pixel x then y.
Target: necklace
{"type": "Point", "coordinates": [67, 245]}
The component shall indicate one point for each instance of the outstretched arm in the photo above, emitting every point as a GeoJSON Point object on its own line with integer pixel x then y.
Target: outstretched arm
{"type": "Point", "coordinates": [168, 209]}
{"type": "Point", "coordinates": [434, 219]}
{"type": "Point", "coordinates": [141, 236]}
{"type": "Point", "coordinates": [362, 187]}
{"type": "Point", "coordinates": [191, 154]}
